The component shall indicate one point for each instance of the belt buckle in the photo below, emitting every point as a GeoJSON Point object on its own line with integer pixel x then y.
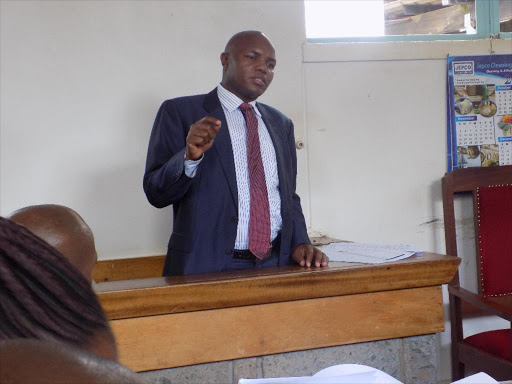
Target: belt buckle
{"type": "Point", "coordinates": [241, 255]}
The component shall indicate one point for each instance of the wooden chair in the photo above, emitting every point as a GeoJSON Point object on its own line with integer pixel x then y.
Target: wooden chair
{"type": "Point", "coordinates": [491, 188]}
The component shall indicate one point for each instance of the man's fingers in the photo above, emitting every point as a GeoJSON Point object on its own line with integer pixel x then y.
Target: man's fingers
{"type": "Point", "coordinates": [203, 136]}
{"type": "Point", "coordinates": [309, 255]}
{"type": "Point", "coordinates": [320, 258]}
{"type": "Point", "coordinates": [205, 128]}
{"type": "Point", "coordinates": [298, 256]}
{"type": "Point", "coordinates": [211, 121]}
{"type": "Point", "coordinates": [306, 255]}
{"type": "Point", "coordinates": [325, 260]}
{"type": "Point", "coordinates": [200, 136]}
{"type": "Point", "coordinates": [196, 141]}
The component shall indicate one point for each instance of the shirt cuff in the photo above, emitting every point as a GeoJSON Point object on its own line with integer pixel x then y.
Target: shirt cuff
{"type": "Point", "coordinates": [191, 166]}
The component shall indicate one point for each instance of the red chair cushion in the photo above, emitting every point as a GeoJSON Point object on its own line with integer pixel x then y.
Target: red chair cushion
{"type": "Point", "coordinates": [494, 342]}
{"type": "Point", "coordinates": [494, 204]}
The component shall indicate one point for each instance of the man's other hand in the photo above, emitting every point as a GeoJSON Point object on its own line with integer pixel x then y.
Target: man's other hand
{"type": "Point", "coordinates": [200, 137]}
{"type": "Point", "coordinates": [307, 255]}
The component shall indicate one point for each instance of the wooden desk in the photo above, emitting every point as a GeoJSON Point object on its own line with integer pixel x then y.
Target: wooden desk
{"type": "Point", "coordinates": [170, 322]}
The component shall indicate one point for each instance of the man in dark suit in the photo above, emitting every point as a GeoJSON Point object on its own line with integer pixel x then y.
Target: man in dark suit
{"type": "Point", "coordinates": [228, 166]}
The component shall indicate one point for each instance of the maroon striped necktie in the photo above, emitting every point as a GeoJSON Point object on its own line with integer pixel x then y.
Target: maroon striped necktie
{"type": "Point", "coordinates": [259, 220]}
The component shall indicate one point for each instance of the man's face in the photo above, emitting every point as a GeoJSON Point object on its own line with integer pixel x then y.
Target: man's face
{"type": "Point", "coordinates": [248, 69]}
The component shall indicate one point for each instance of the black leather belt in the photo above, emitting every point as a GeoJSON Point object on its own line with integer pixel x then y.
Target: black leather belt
{"type": "Point", "coordinates": [245, 254]}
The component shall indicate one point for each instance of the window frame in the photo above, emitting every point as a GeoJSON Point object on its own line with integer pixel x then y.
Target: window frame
{"type": "Point", "coordinates": [487, 14]}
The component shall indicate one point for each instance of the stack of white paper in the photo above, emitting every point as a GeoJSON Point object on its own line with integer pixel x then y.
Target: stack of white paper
{"type": "Point", "coordinates": [338, 374]}
{"type": "Point", "coordinates": [368, 253]}
{"type": "Point", "coordinates": [355, 374]}
{"type": "Point", "coordinates": [479, 378]}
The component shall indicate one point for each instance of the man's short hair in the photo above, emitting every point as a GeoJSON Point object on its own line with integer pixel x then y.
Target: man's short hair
{"type": "Point", "coordinates": [62, 228]}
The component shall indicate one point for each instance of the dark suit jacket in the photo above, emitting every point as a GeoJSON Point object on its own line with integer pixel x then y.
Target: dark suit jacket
{"type": "Point", "coordinates": [206, 206]}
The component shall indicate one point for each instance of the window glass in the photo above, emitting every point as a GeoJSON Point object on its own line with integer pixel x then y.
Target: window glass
{"type": "Point", "coordinates": [348, 18]}
{"type": "Point", "coordinates": [345, 18]}
{"type": "Point", "coordinates": [505, 15]}
{"type": "Point", "coordinates": [422, 17]}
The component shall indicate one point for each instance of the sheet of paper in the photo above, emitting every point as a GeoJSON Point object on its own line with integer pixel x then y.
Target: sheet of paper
{"type": "Point", "coordinates": [338, 374]}
{"type": "Point", "coordinates": [479, 378]}
{"type": "Point", "coordinates": [355, 374]}
{"type": "Point", "coordinates": [368, 253]}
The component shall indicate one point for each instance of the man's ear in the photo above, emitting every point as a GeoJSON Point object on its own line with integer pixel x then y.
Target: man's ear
{"type": "Point", "coordinates": [224, 57]}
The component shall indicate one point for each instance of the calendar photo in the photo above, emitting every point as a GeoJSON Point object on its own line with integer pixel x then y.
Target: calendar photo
{"type": "Point", "coordinates": [479, 111]}
{"type": "Point", "coordinates": [478, 155]}
{"type": "Point", "coordinates": [475, 99]}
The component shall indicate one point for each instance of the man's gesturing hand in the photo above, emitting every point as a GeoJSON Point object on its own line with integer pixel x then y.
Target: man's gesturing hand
{"type": "Point", "coordinates": [308, 256]}
{"type": "Point", "coordinates": [200, 137]}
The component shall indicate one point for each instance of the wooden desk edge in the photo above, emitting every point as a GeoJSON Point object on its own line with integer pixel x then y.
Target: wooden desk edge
{"type": "Point", "coordinates": [159, 296]}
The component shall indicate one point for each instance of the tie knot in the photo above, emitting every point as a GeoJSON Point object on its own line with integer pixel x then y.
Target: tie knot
{"type": "Point", "coordinates": [245, 107]}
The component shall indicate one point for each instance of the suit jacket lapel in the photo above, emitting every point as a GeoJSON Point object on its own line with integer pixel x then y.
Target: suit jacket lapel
{"type": "Point", "coordinates": [222, 142]}
{"type": "Point", "coordinates": [275, 132]}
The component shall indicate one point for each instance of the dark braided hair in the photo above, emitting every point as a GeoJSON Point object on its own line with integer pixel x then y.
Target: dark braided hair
{"type": "Point", "coordinates": [42, 296]}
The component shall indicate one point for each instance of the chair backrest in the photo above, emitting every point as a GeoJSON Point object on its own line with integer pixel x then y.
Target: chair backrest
{"type": "Point", "coordinates": [494, 213]}
{"type": "Point", "coordinates": [491, 188]}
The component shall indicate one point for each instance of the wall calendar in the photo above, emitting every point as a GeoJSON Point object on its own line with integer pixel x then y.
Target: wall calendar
{"type": "Point", "coordinates": [479, 111]}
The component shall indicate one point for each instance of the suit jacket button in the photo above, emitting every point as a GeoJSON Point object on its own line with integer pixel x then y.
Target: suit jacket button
{"type": "Point", "coordinates": [234, 219]}
{"type": "Point", "coordinates": [228, 251]}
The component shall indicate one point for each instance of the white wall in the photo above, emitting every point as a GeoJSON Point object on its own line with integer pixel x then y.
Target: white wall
{"type": "Point", "coordinates": [81, 81]}
{"type": "Point", "coordinates": [376, 130]}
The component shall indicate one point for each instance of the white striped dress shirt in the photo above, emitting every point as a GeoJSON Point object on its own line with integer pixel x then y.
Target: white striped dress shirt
{"type": "Point", "coordinates": [237, 132]}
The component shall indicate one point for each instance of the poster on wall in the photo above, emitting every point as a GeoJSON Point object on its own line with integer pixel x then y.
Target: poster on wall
{"type": "Point", "coordinates": [479, 111]}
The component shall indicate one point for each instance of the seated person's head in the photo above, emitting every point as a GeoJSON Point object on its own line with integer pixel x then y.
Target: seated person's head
{"type": "Point", "coordinates": [63, 229]}
{"type": "Point", "coordinates": [41, 362]}
{"type": "Point", "coordinates": [44, 297]}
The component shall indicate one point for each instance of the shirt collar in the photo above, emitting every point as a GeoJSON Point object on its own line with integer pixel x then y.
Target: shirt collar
{"type": "Point", "coordinates": [231, 102]}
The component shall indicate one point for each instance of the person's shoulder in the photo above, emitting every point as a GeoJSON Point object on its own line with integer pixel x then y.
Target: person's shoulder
{"type": "Point", "coordinates": [183, 105]}
{"type": "Point", "coordinates": [185, 100]}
